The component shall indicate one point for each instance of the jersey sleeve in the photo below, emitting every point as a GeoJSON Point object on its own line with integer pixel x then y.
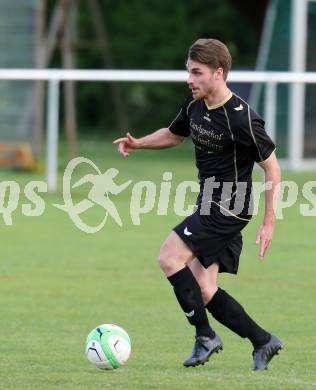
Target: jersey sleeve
{"type": "Point", "coordinates": [181, 123]}
{"type": "Point", "coordinates": [253, 136]}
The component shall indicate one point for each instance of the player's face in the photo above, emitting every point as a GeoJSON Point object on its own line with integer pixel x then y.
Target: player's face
{"type": "Point", "coordinates": [202, 80]}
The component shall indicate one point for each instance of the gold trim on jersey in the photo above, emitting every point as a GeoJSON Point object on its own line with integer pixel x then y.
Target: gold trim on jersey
{"type": "Point", "coordinates": [267, 157]}
{"type": "Point", "coordinates": [218, 104]}
{"type": "Point", "coordinates": [252, 133]}
{"type": "Point", "coordinates": [189, 105]}
{"type": "Point", "coordinates": [230, 213]}
{"type": "Point", "coordinates": [235, 151]}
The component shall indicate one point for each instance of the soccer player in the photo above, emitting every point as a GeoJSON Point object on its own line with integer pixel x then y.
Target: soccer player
{"type": "Point", "coordinates": [229, 137]}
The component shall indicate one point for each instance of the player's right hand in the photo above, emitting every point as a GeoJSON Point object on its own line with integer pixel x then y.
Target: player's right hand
{"type": "Point", "coordinates": [126, 145]}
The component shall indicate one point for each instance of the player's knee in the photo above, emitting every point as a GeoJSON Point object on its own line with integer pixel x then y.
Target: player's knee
{"type": "Point", "coordinates": [166, 266]}
{"type": "Point", "coordinates": [165, 261]}
{"type": "Point", "coordinates": [168, 261]}
{"type": "Point", "coordinates": [207, 292]}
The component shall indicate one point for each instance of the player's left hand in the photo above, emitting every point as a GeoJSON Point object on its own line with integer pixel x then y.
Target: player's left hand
{"type": "Point", "coordinates": [264, 238]}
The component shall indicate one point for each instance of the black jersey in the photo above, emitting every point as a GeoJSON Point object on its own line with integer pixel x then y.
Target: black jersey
{"type": "Point", "coordinates": [228, 138]}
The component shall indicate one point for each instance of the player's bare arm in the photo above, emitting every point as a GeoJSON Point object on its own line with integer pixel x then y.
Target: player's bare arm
{"type": "Point", "coordinates": [272, 176]}
{"type": "Point", "coordinates": [160, 139]}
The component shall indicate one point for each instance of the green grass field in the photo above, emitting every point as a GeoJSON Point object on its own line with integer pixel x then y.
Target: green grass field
{"type": "Point", "coordinates": [57, 283]}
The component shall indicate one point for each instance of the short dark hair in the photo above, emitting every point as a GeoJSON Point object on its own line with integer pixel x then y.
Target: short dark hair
{"type": "Point", "coordinates": [213, 53]}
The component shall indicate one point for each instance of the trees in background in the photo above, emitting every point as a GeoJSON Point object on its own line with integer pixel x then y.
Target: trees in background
{"type": "Point", "coordinates": [152, 34]}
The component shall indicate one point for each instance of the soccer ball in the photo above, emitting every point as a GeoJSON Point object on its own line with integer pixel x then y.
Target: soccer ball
{"type": "Point", "coordinates": [108, 346]}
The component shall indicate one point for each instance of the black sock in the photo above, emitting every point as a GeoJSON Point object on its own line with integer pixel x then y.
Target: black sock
{"type": "Point", "coordinates": [226, 310]}
{"type": "Point", "coordinates": [189, 296]}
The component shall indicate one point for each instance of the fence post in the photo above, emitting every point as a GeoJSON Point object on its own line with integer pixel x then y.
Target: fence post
{"type": "Point", "coordinates": [297, 90]}
{"type": "Point", "coordinates": [52, 135]}
{"type": "Point", "coordinates": [270, 109]}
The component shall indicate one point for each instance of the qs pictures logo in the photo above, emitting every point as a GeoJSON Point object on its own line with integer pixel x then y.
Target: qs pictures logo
{"type": "Point", "coordinates": [99, 190]}
{"type": "Point", "coordinates": [102, 187]}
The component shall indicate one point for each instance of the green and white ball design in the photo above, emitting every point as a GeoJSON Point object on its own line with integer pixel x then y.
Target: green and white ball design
{"type": "Point", "coordinates": [108, 346]}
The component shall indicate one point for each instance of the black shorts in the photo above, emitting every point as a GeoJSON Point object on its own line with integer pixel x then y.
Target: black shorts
{"type": "Point", "coordinates": [214, 238]}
